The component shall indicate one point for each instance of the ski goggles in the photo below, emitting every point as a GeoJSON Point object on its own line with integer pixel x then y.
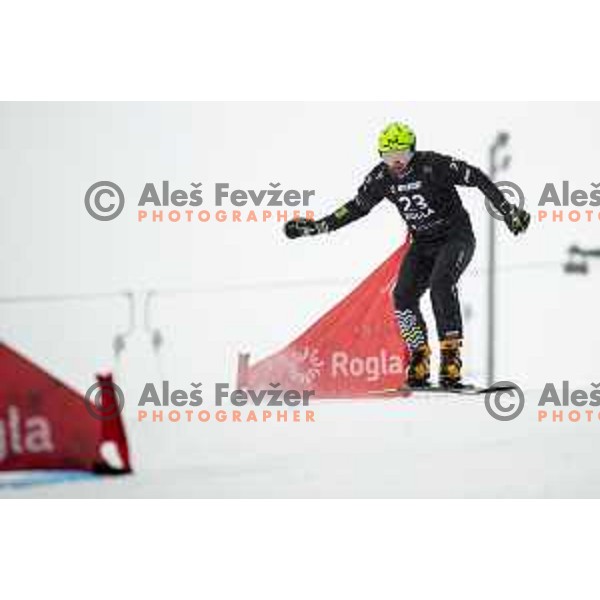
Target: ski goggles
{"type": "Point", "coordinates": [393, 157]}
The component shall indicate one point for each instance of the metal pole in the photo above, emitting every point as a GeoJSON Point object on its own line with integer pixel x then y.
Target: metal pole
{"type": "Point", "coordinates": [491, 294]}
{"type": "Point", "coordinates": [500, 141]}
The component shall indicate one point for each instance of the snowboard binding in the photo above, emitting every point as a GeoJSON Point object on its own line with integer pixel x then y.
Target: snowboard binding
{"type": "Point", "coordinates": [450, 363]}
{"type": "Point", "coordinates": [418, 372]}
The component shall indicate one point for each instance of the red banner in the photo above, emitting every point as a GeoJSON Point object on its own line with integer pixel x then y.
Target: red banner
{"type": "Point", "coordinates": [46, 425]}
{"type": "Point", "coordinates": [354, 348]}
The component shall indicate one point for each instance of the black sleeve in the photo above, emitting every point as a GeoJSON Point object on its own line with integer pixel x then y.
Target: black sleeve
{"type": "Point", "coordinates": [344, 215]}
{"type": "Point", "coordinates": [458, 172]}
{"type": "Point", "coordinates": [369, 194]}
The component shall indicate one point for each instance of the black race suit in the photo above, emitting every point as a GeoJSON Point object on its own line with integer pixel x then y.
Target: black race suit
{"type": "Point", "coordinates": [442, 240]}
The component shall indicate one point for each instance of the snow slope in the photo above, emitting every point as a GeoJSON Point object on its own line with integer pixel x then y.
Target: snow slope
{"type": "Point", "coordinates": [427, 446]}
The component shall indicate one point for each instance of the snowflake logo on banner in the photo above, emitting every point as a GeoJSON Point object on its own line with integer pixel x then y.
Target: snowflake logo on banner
{"type": "Point", "coordinates": [305, 367]}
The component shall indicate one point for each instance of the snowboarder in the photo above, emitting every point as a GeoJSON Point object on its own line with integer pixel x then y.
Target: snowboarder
{"type": "Point", "coordinates": [422, 187]}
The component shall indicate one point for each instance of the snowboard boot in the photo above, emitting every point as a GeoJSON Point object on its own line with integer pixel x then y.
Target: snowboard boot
{"type": "Point", "coordinates": [450, 363]}
{"type": "Point", "coordinates": [417, 374]}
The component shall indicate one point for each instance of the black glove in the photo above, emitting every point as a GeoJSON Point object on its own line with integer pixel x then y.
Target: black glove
{"type": "Point", "coordinates": [301, 227]}
{"type": "Point", "coordinates": [517, 219]}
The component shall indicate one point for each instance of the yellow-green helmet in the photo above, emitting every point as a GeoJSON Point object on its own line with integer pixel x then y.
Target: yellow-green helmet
{"type": "Point", "coordinates": [396, 136]}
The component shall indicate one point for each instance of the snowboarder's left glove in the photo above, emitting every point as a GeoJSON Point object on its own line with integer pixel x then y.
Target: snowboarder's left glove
{"type": "Point", "coordinates": [301, 227]}
{"type": "Point", "coordinates": [517, 219]}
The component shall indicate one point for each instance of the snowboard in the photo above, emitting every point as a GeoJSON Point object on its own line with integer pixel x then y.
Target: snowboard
{"type": "Point", "coordinates": [468, 389]}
